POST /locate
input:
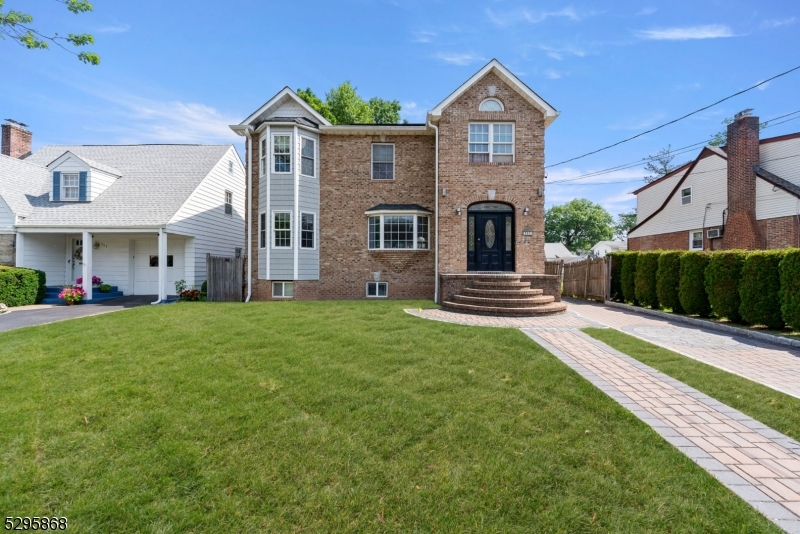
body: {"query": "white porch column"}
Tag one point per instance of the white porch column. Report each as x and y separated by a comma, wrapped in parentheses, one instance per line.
(19, 256)
(162, 264)
(87, 264)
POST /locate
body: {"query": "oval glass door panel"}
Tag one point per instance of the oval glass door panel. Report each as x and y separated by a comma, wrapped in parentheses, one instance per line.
(489, 233)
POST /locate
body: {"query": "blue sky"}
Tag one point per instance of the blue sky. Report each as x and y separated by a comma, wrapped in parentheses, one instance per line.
(181, 71)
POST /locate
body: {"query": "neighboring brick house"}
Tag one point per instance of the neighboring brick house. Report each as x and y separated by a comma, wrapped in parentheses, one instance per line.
(745, 195)
(370, 210)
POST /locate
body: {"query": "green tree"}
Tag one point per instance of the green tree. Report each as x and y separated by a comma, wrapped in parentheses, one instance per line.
(721, 138)
(18, 26)
(660, 164)
(625, 221)
(343, 105)
(578, 224)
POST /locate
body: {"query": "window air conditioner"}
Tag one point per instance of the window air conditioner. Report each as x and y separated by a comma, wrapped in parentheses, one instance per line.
(713, 233)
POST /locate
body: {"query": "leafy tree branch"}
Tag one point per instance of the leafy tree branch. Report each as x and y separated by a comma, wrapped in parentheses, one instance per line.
(343, 105)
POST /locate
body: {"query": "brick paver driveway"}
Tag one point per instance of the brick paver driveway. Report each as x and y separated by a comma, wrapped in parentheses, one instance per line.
(757, 463)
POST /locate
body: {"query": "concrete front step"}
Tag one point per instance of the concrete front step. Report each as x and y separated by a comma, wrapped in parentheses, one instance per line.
(503, 293)
(495, 301)
(546, 309)
(505, 284)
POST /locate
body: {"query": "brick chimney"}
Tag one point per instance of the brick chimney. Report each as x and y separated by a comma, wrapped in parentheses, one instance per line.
(16, 139)
(741, 228)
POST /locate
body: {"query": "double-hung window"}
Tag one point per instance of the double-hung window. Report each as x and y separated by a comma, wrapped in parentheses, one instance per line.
(696, 240)
(307, 230)
(262, 230)
(307, 157)
(70, 186)
(281, 229)
(282, 153)
(686, 196)
(491, 143)
(382, 161)
(264, 156)
(398, 231)
(228, 203)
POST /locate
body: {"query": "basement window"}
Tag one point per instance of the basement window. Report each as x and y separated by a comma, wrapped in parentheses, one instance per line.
(686, 196)
(377, 290)
(282, 290)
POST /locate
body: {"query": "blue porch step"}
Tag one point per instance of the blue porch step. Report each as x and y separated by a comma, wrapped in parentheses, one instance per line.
(51, 295)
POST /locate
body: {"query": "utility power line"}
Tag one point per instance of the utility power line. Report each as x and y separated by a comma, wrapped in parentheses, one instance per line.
(676, 120)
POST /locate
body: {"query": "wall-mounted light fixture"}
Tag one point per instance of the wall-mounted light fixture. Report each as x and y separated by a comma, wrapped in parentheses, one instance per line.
(444, 191)
(526, 211)
(458, 212)
(540, 191)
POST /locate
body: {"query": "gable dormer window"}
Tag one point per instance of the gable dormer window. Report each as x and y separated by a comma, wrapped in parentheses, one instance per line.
(70, 186)
(491, 104)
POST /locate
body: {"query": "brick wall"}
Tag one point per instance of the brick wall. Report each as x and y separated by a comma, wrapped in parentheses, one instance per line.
(16, 141)
(780, 232)
(7, 250)
(467, 183)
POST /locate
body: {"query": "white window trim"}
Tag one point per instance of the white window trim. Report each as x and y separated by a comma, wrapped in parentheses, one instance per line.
(228, 192)
(376, 295)
(690, 197)
(314, 215)
(273, 229)
(283, 289)
(64, 187)
(415, 214)
(261, 222)
(316, 171)
(291, 152)
(372, 163)
(691, 239)
(491, 140)
(492, 99)
(263, 156)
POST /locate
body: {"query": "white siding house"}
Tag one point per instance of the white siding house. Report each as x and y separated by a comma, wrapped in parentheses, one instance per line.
(141, 217)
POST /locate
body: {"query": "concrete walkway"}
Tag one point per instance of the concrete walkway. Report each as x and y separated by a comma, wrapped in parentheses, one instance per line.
(757, 463)
(38, 315)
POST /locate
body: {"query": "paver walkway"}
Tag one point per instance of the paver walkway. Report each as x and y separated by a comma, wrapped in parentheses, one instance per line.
(759, 464)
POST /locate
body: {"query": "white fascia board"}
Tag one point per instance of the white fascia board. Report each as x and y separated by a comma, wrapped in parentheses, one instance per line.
(62, 158)
(288, 124)
(550, 113)
(79, 229)
(369, 129)
(286, 91)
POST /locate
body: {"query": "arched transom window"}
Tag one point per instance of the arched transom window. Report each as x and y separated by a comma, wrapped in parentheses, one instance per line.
(491, 104)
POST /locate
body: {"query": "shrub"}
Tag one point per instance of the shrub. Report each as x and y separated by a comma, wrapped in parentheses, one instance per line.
(615, 291)
(668, 279)
(691, 290)
(20, 287)
(204, 288)
(790, 288)
(759, 289)
(645, 279)
(104, 288)
(191, 295)
(629, 261)
(722, 283)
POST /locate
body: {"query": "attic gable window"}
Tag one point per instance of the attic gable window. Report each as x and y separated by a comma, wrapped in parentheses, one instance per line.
(70, 184)
(491, 104)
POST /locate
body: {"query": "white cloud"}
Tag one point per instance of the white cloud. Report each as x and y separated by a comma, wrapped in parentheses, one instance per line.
(423, 36)
(637, 124)
(776, 23)
(412, 112)
(709, 31)
(559, 53)
(510, 18)
(647, 11)
(553, 74)
(115, 28)
(763, 86)
(458, 59)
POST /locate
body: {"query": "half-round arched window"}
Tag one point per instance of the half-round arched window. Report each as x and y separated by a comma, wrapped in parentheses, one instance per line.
(491, 104)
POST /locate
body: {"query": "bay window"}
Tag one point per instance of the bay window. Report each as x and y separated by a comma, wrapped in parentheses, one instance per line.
(398, 231)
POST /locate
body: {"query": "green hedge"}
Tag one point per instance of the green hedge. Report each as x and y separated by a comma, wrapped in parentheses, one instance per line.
(692, 291)
(616, 275)
(790, 288)
(668, 279)
(20, 287)
(628, 277)
(646, 277)
(759, 289)
(722, 283)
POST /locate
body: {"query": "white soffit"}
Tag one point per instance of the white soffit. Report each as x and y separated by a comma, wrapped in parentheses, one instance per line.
(507, 76)
(285, 92)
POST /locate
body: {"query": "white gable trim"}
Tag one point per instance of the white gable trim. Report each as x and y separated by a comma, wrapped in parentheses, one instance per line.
(108, 169)
(286, 91)
(550, 113)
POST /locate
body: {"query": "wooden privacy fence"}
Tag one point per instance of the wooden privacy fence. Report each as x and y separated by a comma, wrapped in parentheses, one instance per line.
(586, 279)
(225, 277)
(554, 267)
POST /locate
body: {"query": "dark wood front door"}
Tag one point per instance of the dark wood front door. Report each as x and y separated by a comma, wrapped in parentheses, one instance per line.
(490, 241)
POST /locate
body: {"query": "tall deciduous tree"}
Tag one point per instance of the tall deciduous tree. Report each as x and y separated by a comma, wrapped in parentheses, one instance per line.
(625, 221)
(343, 105)
(578, 224)
(660, 164)
(18, 26)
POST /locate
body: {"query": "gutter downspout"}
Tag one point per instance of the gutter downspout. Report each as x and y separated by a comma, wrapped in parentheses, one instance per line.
(249, 204)
(436, 219)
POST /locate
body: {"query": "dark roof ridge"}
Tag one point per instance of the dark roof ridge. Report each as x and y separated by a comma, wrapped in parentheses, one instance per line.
(777, 181)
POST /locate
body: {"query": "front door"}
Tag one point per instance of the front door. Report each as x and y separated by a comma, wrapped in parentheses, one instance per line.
(490, 238)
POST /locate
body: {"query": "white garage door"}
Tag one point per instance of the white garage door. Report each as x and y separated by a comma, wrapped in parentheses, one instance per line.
(145, 263)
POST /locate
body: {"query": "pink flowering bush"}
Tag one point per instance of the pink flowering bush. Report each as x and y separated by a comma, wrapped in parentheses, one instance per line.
(72, 294)
(95, 280)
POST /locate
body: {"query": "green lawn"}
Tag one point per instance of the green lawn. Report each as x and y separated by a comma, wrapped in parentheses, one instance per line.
(773, 408)
(328, 417)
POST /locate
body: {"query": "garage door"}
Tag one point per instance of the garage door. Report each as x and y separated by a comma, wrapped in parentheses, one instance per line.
(145, 266)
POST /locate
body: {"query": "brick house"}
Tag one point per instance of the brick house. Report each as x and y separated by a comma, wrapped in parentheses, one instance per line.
(745, 195)
(401, 210)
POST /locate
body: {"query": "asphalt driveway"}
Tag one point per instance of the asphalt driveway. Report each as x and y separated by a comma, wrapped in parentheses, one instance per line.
(20, 318)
